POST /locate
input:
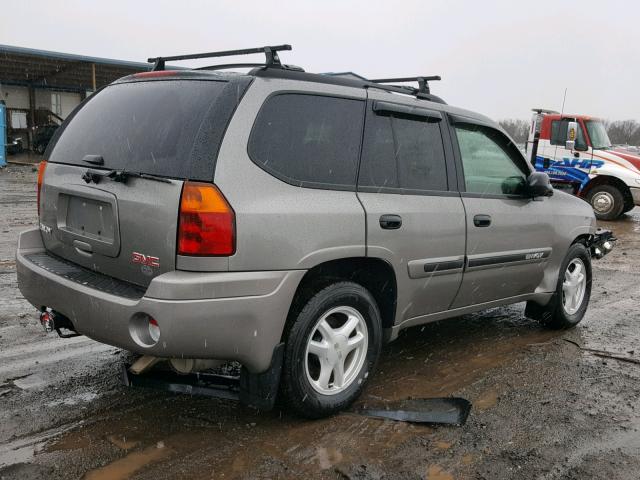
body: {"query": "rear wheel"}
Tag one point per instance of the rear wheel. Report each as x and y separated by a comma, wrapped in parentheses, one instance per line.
(607, 202)
(573, 292)
(332, 347)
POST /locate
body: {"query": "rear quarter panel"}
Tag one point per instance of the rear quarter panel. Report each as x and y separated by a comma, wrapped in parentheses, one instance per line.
(281, 226)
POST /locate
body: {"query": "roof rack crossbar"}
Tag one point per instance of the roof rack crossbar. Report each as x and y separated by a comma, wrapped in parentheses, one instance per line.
(423, 85)
(231, 65)
(271, 53)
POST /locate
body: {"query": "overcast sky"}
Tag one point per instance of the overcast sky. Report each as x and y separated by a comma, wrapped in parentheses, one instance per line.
(496, 57)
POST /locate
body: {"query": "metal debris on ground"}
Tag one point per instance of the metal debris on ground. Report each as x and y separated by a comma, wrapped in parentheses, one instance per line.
(448, 411)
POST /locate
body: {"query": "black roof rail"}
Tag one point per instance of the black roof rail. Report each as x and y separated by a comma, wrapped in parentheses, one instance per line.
(342, 80)
(271, 53)
(423, 81)
(248, 65)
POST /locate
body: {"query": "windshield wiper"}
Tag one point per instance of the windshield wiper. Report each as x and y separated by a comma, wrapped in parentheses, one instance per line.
(119, 176)
(123, 175)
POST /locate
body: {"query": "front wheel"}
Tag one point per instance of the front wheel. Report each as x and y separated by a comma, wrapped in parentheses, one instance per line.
(331, 349)
(573, 291)
(607, 202)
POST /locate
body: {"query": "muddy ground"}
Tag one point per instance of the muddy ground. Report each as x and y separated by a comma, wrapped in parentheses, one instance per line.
(542, 406)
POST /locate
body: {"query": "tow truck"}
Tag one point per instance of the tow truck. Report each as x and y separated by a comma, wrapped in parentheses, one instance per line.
(576, 153)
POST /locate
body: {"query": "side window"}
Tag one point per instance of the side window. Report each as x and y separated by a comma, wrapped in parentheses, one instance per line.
(559, 130)
(403, 153)
(309, 140)
(490, 165)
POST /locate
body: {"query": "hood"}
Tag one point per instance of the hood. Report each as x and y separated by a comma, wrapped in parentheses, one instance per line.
(629, 157)
(623, 159)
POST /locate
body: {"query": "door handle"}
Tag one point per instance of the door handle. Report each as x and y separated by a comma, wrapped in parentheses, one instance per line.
(482, 220)
(390, 222)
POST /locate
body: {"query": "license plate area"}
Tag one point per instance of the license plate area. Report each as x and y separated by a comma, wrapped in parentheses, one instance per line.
(88, 218)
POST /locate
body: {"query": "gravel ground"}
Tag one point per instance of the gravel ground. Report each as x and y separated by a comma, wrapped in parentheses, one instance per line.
(544, 406)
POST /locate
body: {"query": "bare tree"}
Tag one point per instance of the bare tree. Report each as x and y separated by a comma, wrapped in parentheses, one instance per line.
(624, 132)
(516, 128)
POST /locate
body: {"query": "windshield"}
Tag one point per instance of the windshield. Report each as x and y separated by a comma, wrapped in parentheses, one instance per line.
(598, 134)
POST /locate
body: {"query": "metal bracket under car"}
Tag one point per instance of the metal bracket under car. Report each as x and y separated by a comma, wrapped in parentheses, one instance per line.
(601, 243)
(257, 390)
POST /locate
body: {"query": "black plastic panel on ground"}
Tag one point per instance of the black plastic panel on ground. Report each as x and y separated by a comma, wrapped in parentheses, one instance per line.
(85, 277)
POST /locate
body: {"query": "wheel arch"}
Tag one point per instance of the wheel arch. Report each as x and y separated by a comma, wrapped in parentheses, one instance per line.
(374, 274)
(608, 180)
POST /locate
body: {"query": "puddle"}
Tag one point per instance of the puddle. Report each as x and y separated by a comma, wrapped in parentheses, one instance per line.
(425, 368)
(235, 443)
(24, 449)
(125, 467)
(122, 443)
(435, 472)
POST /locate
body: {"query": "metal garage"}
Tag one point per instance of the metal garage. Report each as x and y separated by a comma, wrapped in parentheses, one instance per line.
(40, 88)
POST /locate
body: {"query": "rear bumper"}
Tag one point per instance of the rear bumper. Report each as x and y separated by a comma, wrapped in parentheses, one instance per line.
(635, 193)
(227, 316)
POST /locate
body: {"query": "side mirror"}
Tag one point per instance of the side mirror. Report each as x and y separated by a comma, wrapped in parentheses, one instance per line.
(572, 133)
(539, 185)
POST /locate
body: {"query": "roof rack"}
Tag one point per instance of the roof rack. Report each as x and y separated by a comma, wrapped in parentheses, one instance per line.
(423, 85)
(271, 53)
(274, 69)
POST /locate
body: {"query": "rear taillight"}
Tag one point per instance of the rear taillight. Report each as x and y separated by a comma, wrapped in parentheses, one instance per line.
(207, 222)
(41, 169)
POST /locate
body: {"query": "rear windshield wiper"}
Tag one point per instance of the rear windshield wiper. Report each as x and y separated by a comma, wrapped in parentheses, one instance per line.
(119, 176)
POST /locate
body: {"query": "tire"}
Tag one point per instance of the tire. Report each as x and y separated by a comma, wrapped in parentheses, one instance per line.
(628, 207)
(607, 202)
(306, 388)
(562, 312)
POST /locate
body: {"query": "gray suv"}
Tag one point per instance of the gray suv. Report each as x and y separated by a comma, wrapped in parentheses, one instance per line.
(292, 222)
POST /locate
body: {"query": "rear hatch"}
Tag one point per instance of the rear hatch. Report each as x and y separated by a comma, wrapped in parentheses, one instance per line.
(111, 191)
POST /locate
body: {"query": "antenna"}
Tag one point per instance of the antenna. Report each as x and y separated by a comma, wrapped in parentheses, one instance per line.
(564, 98)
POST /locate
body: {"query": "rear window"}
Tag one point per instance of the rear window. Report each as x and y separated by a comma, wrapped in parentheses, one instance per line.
(167, 128)
(309, 140)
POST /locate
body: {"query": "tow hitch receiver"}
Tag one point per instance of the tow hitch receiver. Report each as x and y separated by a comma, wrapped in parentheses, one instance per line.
(51, 320)
(601, 243)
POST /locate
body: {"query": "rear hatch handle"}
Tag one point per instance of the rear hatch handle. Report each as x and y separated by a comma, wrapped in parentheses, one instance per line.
(119, 176)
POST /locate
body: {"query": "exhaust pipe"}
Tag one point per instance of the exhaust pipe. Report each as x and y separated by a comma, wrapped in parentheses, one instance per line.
(191, 365)
(52, 320)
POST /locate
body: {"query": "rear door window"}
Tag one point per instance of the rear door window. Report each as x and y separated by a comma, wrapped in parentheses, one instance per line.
(309, 140)
(170, 128)
(403, 153)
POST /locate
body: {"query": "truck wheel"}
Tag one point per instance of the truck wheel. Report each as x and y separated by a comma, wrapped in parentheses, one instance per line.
(331, 349)
(607, 202)
(628, 207)
(572, 294)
